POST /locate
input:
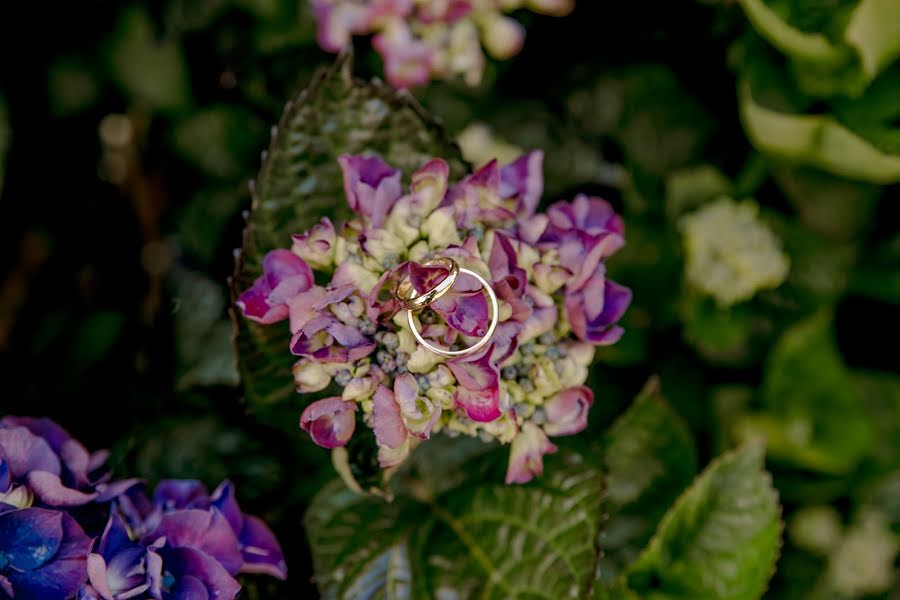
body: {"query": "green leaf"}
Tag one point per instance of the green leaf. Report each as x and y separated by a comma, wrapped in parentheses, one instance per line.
(812, 47)
(479, 539)
(650, 459)
(220, 140)
(300, 182)
(722, 335)
(203, 334)
(816, 140)
(720, 540)
(359, 543)
(838, 208)
(874, 31)
(689, 188)
(813, 416)
(152, 71)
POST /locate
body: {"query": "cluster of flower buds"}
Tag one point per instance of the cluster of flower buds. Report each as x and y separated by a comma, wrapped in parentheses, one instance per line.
(352, 336)
(731, 253)
(67, 531)
(424, 39)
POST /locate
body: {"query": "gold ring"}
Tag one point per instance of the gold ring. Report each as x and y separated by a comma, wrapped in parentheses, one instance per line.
(495, 313)
(405, 292)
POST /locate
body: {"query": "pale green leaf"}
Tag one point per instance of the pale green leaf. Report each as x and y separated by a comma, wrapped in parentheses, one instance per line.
(814, 47)
(816, 140)
(874, 31)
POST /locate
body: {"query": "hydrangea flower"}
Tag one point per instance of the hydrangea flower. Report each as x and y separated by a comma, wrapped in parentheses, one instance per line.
(42, 554)
(181, 544)
(40, 462)
(547, 269)
(430, 39)
(730, 253)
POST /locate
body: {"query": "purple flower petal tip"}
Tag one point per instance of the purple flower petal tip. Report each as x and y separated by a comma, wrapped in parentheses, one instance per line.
(330, 422)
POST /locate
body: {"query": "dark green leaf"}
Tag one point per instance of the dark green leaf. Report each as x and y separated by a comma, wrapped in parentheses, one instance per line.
(650, 459)
(720, 540)
(482, 538)
(813, 416)
(300, 181)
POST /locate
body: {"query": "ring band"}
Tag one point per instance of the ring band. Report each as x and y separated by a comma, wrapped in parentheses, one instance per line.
(456, 270)
(405, 290)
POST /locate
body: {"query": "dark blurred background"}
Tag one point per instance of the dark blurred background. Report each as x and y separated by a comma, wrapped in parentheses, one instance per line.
(128, 135)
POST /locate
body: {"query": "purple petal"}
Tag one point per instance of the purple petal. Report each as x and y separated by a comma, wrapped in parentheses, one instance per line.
(5, 474)
(429, 183)
(205, 530)
(381, 304)
(386, 420)
(189, 588)
(50, 490)
(330, 422)
(224, 500)
(30, 537)
(261, 550)
(62, 576)
(593, 321)
(526, 455)
(45, 428)
(567, 412)
(6, 586)
(284, 276)
(408, 62)
(523, 179)
(371, 186)
(175, 494)
(111, 491)
(26, 452)
(316, 245)
(426, 278)
(504, 263)
(478, 375)
(97, 575)
(481, 406)
(198, 575)
(337, 22)
(464, 307)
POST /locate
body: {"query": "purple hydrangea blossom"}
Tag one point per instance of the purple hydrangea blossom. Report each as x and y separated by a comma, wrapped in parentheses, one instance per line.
(419, 40)
(39, 458)
(548, 271)
(284, 276)
(181, 544)
(43, 554)
(120, 568)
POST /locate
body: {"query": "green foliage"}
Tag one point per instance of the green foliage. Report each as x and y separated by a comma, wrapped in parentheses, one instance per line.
(475, 537)
(843, 56)
(650, 458)
(300, 181)
(719, 540)
(152, 70)
(482, 538)
(813, 417)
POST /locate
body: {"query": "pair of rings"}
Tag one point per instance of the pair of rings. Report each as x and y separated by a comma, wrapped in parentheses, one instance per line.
(412, 302)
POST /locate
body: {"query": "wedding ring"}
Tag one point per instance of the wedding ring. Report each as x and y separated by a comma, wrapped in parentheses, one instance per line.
(406, 293)
(412, 304)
